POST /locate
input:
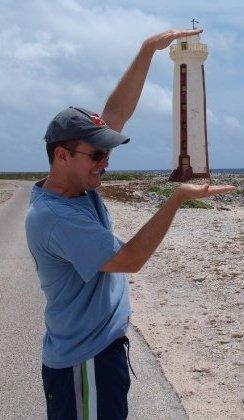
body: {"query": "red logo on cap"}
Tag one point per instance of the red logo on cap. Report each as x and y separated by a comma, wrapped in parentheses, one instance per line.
(97, 120)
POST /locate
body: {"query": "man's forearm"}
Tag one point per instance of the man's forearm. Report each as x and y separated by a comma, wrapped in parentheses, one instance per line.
(145, 242)
(139, 249)
(123, 100)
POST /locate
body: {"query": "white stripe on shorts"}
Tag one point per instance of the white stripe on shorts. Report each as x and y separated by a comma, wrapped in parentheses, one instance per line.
(92, 389)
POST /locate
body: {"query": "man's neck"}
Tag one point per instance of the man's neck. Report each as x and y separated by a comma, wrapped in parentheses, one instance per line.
(59, 187)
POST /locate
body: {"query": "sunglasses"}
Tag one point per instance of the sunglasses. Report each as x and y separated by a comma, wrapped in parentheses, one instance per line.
(96, 156)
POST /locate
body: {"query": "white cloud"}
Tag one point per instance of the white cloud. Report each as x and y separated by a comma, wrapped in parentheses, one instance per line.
(232, 122)
(156, 99)
(211, 117)
(174, 8)
(67, 49)
(101, 33)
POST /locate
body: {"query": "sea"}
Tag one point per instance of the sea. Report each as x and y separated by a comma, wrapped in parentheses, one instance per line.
(237, 171)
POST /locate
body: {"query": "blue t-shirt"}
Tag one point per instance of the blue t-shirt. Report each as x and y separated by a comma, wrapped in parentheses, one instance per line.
(70, 239)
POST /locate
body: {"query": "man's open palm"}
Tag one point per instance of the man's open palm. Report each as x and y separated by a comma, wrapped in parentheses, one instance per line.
(193, 191)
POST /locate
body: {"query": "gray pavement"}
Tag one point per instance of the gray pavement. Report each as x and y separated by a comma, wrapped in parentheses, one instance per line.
(21, 322)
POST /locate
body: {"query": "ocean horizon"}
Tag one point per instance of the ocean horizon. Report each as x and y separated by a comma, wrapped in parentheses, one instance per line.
(166, 171)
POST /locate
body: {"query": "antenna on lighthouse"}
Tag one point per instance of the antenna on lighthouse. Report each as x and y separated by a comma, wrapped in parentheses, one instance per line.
(193, 23)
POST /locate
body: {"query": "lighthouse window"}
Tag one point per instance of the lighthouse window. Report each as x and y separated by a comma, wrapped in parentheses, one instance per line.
(183, 107)
(183, 68)
(185, 161)
(184, 45)
(183, 88)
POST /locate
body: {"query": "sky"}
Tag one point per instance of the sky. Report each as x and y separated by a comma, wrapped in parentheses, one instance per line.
(57, 53)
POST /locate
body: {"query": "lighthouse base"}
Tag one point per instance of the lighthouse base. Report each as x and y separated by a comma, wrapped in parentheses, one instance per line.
(179, 175)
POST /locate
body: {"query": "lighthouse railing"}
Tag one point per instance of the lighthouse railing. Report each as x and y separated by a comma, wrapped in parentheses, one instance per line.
(185, 46)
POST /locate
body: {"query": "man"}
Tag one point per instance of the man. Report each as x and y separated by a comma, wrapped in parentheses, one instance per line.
(81, 264)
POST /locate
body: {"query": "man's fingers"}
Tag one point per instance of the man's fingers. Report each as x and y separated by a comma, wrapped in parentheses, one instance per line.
(187, 32)
(221, 189)
(163, 40)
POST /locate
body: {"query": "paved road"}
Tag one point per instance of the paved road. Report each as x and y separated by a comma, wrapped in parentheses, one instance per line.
(21, 309)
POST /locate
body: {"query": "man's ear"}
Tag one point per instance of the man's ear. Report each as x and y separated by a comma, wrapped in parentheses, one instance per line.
(62, 156)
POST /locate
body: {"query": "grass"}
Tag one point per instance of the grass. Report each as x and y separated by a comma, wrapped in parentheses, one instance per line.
(196, 204)
(166, 192)
(240, 192)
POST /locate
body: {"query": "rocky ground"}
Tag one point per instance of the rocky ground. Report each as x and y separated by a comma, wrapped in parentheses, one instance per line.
(155, 190)
(6, 190)
(188, 299)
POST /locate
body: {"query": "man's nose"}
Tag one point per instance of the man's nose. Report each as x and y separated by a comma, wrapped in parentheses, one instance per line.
(106, 162)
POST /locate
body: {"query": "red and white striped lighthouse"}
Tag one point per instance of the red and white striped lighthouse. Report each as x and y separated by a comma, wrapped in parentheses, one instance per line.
(190, 148)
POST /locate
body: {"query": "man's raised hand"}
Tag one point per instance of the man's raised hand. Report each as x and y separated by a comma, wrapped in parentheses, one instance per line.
(164, 39)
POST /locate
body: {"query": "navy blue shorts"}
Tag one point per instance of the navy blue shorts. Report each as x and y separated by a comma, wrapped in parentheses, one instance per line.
(94, 390)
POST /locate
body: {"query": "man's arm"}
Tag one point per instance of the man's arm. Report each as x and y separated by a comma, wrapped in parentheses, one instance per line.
(123, 100)
(133, 255)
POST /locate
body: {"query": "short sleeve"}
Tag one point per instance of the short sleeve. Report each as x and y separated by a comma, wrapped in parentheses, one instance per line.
(85, 243)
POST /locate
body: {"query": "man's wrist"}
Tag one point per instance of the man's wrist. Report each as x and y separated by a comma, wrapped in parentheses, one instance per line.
(178, 196)
(148, 48)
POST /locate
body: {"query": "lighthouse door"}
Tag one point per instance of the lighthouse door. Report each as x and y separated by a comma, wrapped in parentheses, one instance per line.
(184, 162)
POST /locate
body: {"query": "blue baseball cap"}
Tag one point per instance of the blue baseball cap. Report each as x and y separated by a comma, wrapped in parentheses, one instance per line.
(80, 124)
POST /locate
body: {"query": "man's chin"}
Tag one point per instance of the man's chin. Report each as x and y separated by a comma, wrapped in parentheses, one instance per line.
(94, 185)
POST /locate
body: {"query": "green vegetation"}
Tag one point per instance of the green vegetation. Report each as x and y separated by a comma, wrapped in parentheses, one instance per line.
(166, 192)
(126, 176)
(240, 192)
(196, 204)
(108, 176)
(25, 176)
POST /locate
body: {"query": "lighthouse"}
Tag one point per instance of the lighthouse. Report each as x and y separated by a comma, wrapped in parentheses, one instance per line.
(190, 147)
